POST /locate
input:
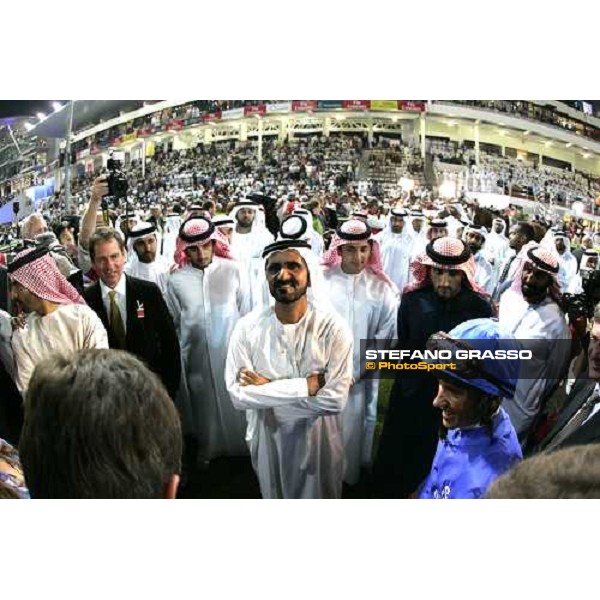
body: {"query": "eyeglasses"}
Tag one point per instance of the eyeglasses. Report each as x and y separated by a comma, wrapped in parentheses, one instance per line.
(468, 367)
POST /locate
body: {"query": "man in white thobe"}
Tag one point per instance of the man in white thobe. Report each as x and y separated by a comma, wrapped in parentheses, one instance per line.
(143, 259)
(418, 231)
(290, 367)
(521, 234)
(475, 238)
(567, 263)
(248, 240)
(364, 296)
(396, 244)
(496, 245)
(315, 239)
(206, 298)
(530, 311)
(58, 318)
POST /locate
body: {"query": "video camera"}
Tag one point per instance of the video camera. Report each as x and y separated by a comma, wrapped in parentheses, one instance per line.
(117, 182)
(582, 305)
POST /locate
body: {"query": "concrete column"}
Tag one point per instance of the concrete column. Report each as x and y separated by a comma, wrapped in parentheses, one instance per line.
(243, 131)
(284, 131)
(260, 140)
(422, 134)
(476, 138)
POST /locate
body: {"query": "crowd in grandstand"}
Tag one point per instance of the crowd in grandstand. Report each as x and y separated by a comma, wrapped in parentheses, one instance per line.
(217, 313)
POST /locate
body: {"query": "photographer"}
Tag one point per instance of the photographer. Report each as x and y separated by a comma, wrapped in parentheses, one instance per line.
(112, 184)
(89, 221)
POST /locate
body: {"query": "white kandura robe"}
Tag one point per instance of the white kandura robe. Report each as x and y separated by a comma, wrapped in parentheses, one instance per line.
(369, 306)
(496, 250)
(157, 271)
(205, 305)
(396, 252)
(69, 328)
(247, 249)
(567, 270)
(546, 325)
(169, 237)
(484, 273)
(295, 439)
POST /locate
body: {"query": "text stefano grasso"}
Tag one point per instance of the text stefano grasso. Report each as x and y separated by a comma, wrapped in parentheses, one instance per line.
(448, 354)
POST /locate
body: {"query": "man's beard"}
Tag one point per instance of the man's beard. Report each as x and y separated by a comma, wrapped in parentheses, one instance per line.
(474, 249)
(245, 222)
(146, 257)
(533, 294)
(288, 298)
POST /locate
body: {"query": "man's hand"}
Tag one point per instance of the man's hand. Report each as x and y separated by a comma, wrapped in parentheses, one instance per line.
(18, 322)
(315, 383)
(248, 377)
(99, 189)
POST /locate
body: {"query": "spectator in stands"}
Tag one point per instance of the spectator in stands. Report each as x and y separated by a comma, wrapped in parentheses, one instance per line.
(99, 424)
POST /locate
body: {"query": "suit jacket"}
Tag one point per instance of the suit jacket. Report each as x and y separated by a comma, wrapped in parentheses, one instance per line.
(4, 305)
(11, 408)
(152, 338)
(589, 432)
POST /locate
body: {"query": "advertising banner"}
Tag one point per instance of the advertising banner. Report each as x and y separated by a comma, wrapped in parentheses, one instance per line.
(304, 105)
(234, 113)
(329, 104)
(215, 116)
(356, 104)
(279, 107)
(384, 104)
(130, 137)
(259, 109)
(175, 124)
(412, 105)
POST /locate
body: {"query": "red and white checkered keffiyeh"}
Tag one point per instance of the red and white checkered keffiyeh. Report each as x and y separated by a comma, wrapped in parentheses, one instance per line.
(333, 258)
(43, 278)
(444, 246)
(545, 260)
(199, 226)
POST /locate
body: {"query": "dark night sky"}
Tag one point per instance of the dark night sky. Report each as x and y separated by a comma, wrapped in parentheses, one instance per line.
(25, 108)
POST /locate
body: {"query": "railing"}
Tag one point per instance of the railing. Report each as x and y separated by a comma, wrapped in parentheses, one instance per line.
(533, 112)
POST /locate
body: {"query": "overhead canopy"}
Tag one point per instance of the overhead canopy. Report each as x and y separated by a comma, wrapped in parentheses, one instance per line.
(85, 114)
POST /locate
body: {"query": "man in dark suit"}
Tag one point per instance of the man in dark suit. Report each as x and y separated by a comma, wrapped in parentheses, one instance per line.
(3, 289)
(579, 420)
(133, 311)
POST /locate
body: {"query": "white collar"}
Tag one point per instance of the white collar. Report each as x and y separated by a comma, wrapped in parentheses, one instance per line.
(119, 288)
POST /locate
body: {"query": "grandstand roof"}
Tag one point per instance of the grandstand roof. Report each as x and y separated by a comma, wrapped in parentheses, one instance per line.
(85, 112)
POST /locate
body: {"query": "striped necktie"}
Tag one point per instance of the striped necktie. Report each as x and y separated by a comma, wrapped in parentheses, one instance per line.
(576, 421)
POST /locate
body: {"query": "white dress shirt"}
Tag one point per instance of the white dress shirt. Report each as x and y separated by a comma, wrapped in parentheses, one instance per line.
(120, 299)
(596, 408)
